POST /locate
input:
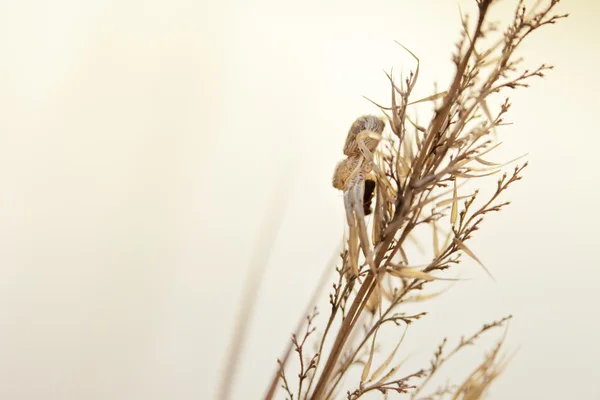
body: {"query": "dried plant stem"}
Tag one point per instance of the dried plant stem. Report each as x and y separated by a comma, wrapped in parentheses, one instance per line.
(371, 280)
(256, 272)
(442, 114)
(313, 299)
(356, 308)
(416, 179)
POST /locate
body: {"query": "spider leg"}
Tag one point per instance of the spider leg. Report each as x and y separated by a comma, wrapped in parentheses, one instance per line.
(358, 192)
(359, 167)
(353, 232)
(368, 155)
(364, 138)
(377, 216)
(364, 149)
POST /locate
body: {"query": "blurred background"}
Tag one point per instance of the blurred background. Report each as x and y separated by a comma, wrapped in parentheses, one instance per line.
(142, 145)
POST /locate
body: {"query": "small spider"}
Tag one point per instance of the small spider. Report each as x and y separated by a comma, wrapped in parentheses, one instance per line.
(356, 177)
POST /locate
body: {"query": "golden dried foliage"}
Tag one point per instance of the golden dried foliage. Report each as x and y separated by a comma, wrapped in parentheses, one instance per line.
(419, 171)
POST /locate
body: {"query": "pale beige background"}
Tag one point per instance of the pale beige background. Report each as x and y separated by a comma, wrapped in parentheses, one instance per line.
(141, 143)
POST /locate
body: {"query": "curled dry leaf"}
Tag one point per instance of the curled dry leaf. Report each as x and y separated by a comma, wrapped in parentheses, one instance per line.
(454, 213)
(468, 251)
(388, 360)
(367, 367)
(452, 201)
(414, 273)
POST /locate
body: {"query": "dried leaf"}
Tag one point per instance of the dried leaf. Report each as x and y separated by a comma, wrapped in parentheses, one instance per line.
(463, 175)
(404, 256)
(497, 165)
(411, 273)
(408, 150)
(388, 294)
(454, 213)
(387, 362)
(416, 242)
(461, 163)
(367, 367)
(436, 243)
(417, 126)
(449, 201)
(433, 97)
(448, 239)
(374, 300)
(419, 141)
(414, 56)
(464, 248)
(483, 169)
(403, 167)
(432, 199)
(484, 162)
(391, 372)
(414, 273)
(425, 297)
(490, 149)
